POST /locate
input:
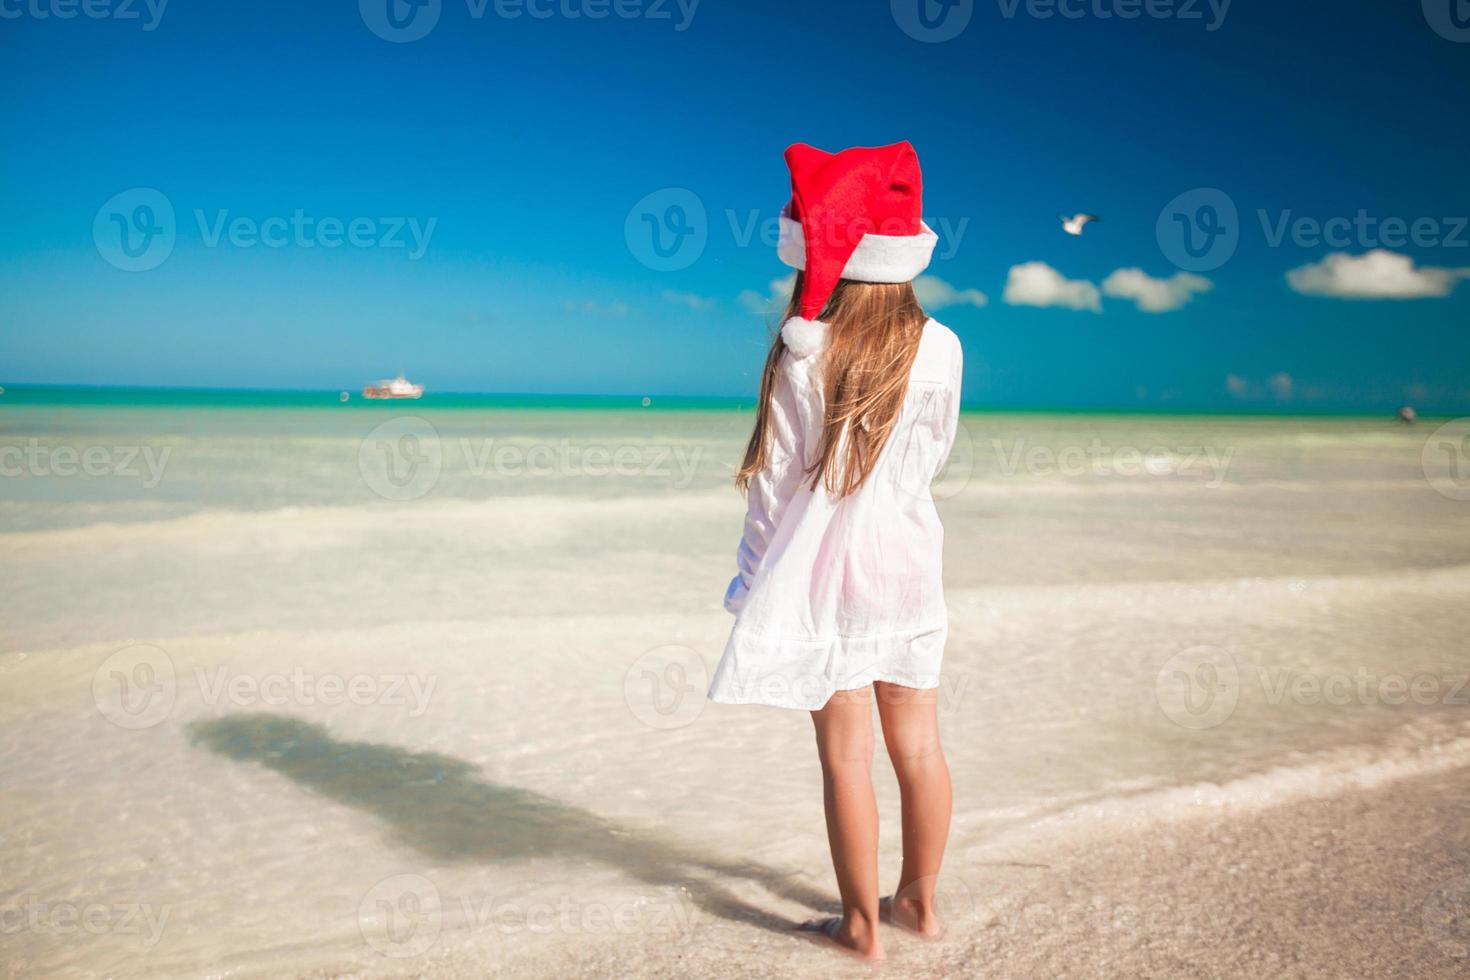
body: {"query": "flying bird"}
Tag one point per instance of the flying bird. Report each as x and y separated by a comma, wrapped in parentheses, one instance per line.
(1073, 225)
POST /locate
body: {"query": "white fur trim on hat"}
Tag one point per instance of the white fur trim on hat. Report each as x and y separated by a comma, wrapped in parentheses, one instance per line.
(804, 337)
(877, 258)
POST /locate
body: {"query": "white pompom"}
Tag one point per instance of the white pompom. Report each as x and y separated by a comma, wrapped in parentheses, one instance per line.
(804, 337)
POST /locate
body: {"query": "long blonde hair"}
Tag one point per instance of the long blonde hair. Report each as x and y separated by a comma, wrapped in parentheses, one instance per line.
(873, 332)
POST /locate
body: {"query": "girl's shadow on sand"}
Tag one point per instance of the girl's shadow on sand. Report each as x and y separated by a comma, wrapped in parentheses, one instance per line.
(445, 808)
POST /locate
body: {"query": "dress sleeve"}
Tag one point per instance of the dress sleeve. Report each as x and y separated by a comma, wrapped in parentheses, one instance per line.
(771, 491)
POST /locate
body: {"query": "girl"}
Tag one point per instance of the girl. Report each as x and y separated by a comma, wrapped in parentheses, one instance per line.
(839, 593)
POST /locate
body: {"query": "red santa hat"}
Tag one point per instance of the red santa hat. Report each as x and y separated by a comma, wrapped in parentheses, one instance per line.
(856, 214)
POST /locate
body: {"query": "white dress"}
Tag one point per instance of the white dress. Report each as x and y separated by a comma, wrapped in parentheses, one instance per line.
(833, 594)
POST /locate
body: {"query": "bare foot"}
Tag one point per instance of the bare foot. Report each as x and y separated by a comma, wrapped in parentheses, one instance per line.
(860, 941)
(911, 915)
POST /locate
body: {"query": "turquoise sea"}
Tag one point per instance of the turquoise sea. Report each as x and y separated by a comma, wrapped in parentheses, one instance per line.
(138, 397)
(148, 453)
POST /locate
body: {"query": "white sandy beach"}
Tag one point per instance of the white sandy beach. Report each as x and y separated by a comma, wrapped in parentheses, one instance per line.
(1205, 719)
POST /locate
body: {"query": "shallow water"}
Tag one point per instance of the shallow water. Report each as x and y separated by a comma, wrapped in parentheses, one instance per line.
(383, 690)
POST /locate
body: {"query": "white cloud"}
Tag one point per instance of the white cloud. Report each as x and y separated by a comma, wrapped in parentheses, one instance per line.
(934, 293)
(1038, 284)
(1155, 295)
(1378, 274)
(772, 303)
(695, 302)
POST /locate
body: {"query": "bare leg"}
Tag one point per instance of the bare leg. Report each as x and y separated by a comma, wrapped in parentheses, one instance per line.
(845, 745)
(911, 732)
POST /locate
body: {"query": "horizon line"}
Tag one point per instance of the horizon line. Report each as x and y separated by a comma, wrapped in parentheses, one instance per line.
(734, 401)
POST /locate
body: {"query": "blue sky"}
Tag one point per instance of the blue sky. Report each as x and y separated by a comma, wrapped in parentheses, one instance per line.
(503, 173)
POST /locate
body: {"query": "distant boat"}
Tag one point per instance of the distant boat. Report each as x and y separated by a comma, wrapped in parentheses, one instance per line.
(399, 387)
